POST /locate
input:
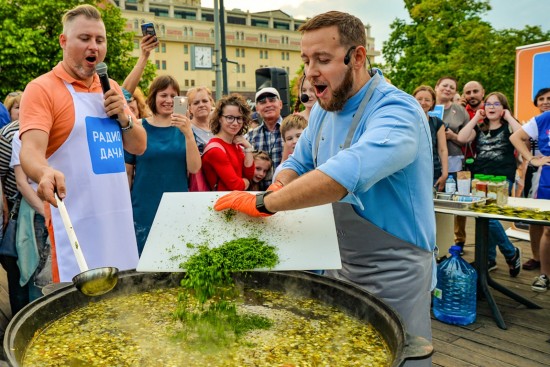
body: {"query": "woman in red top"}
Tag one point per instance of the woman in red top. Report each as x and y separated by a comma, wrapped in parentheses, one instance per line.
(228, 161)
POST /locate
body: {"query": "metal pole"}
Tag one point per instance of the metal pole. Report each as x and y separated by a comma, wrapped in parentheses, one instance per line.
(217, 50)
(224, 56)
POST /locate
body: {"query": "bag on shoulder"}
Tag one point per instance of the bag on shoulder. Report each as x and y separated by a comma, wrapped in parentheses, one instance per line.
(8, 243)
(197, 181)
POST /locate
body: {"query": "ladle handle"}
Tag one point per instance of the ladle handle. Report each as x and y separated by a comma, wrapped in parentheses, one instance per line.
(72, 235)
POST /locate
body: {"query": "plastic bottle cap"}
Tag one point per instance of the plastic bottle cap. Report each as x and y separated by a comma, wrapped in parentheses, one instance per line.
(455, 250)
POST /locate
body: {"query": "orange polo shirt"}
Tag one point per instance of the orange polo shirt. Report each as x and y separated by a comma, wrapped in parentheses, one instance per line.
(47, 105)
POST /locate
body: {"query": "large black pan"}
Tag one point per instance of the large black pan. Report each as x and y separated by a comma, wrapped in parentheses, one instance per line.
(330, 291)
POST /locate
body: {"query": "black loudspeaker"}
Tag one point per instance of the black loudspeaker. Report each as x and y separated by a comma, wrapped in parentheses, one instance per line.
(278, 79)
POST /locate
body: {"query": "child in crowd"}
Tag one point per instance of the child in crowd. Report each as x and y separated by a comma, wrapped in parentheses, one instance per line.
(291, 129)
(263, 164)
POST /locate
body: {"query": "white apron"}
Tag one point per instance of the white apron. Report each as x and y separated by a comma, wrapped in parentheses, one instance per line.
(98, 196)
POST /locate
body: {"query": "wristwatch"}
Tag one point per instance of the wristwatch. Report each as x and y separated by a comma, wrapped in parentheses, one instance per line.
(260, 206)
(130, 124)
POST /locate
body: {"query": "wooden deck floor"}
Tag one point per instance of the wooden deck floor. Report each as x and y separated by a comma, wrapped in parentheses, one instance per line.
(526, 342)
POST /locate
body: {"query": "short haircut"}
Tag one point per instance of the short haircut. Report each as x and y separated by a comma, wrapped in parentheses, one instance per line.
(540, 93)
(447, 77)
(234, 99)
(160, 83)
(350, 28)
(426, 88)
(87, 10)
(293, 121)
(191, 93)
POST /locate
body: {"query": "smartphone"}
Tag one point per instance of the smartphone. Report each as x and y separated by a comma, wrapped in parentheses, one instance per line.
(148, 28)
(180, 105)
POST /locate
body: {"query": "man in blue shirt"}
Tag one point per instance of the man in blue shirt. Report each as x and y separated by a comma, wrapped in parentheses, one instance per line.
(367, 150)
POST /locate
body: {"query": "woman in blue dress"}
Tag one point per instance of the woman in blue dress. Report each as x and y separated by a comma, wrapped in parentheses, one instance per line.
(170, 155)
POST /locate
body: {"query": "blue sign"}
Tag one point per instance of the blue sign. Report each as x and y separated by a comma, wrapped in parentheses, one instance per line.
(105, 145)
(541, 72)
(437, 111)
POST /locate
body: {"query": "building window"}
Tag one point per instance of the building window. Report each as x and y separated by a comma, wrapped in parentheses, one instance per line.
(242, 52)
(186, 82)
(163, 47)
(136, 44)
(191, 31)
(238, 68)
(261, 54)
(192, 82)
(236, 20)
(260, 23)
(238, 84)
(185, 49)
(136, 24)
(288, 56)
(186, 65)
(185, 31)
(238, 52)
(213, 84)
(243, 69)
(266, 54)
(163, 64)
(157, 64)
(282, 55)
(244, 84)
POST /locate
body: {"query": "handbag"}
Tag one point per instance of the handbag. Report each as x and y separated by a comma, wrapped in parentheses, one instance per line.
(197, 181)
(8, 246)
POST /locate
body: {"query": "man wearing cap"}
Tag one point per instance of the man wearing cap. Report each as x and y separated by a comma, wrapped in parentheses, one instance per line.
(267, 136)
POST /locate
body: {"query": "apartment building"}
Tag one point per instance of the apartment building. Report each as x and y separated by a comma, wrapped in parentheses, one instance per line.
(187, 42)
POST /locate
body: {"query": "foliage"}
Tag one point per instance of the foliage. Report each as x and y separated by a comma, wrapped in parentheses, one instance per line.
(448, 37)
(29, 41)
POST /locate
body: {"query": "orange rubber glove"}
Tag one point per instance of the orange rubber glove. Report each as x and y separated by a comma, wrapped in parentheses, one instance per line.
(240, 201)
(275, 186)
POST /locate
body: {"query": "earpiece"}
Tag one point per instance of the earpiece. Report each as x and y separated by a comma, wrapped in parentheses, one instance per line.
(347, 59)
(304, 98)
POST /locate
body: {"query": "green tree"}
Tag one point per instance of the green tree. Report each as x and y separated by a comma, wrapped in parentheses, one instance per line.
(449, 38)
(29, 41)
(444, 36)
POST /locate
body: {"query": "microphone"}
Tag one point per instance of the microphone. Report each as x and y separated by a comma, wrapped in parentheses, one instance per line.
(304, 98)
(101, 70)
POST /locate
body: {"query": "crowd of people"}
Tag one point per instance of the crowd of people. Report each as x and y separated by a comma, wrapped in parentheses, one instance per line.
(345, 115)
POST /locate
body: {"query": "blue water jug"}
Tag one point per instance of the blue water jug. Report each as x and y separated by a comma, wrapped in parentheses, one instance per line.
(454, 298)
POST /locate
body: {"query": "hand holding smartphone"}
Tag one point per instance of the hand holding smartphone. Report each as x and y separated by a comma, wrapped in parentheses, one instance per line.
(180, 105)
(148, 29)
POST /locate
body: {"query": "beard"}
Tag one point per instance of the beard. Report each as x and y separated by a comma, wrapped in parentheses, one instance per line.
(474, 103)
(341, 95)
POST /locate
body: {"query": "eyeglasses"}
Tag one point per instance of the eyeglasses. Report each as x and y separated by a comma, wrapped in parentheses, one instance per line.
(264, 100)
(15, 94)
(496, 104)
(231, 119)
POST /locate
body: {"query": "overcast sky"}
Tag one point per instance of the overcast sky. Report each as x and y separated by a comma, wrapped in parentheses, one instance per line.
(381, 13)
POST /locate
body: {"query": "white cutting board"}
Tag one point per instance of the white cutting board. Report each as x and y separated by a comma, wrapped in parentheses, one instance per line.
(305, 239)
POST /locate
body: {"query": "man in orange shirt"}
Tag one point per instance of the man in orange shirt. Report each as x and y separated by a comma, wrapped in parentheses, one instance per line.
(70, 146)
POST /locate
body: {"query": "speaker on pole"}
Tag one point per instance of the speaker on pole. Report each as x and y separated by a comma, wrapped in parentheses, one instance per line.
(278, 79)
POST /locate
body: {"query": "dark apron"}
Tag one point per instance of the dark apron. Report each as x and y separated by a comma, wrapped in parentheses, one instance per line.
(388, 267)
